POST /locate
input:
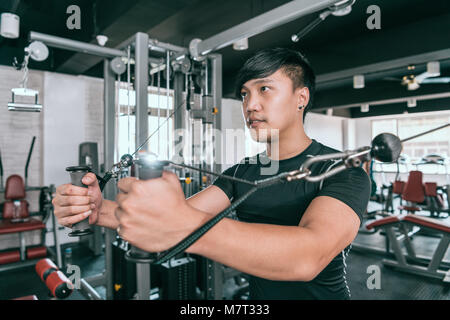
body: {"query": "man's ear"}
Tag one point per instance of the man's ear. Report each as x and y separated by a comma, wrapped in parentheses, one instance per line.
(302, 94)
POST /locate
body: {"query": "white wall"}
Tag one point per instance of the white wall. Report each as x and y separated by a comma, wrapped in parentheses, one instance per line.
(325, 129)
(64, 125)
(234, 149)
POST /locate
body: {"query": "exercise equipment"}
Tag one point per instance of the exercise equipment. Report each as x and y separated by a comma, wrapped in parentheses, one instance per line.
(409, 262)
(88, 156)
(39, 52)
(424, 196)
(17, 219)
(55, 280)
(76, 174)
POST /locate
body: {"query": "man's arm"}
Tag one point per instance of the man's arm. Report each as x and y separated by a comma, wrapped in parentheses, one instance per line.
(211, 200)
(106, 217)
(293, 253)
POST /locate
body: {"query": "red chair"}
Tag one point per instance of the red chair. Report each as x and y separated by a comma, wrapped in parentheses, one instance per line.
(398, 187)
(413, 192)
(16, 219)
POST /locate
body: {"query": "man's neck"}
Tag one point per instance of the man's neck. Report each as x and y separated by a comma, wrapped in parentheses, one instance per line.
(288, 147)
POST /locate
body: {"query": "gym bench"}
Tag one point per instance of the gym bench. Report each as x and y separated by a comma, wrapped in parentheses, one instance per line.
(410, 263)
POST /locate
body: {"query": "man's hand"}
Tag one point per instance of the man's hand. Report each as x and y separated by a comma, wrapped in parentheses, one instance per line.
(153, 214)
(73, 204)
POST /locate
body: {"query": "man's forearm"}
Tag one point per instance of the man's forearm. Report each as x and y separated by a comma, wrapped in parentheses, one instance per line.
(106, 216)
(268, 251)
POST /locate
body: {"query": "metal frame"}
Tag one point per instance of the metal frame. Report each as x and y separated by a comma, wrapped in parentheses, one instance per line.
(411, 262)
(401, 262)
(77, 46)
(266, 21)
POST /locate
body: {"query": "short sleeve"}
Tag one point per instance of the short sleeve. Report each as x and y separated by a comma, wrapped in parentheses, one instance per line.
(225, 184)
(351, 186)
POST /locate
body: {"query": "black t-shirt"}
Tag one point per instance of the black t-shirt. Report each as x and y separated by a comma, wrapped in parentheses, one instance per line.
(285, 204)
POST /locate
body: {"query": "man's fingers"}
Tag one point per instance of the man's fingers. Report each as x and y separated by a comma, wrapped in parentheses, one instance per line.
(90, 179)
(71, 211)
(93, 218)
(71, 190)
(170, 176)
(124, 185)
(69, 221)
(72, 200)
(118, 213)
(120, 197)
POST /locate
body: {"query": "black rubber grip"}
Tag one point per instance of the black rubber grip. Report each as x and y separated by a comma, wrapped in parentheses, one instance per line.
(76, 175)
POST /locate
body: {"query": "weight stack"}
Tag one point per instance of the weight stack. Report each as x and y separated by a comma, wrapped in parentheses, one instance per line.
(124, 272)
(179, 279)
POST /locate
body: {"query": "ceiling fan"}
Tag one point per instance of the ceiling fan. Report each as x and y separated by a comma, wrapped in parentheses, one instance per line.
(413, 82)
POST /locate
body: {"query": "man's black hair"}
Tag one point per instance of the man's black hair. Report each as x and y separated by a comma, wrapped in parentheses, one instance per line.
(268, 61)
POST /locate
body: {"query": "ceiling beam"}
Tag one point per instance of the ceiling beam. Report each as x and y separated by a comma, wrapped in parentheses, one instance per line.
(259, 24)
(381, 69)
(431, 105)
(376, 94)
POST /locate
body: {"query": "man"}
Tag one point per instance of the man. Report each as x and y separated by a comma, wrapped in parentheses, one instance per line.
(291, 238)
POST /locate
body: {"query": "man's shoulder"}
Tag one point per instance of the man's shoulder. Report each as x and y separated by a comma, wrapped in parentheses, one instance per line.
(324, 149)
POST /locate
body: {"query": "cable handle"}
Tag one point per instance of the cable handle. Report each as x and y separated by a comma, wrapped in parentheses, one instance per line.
(145, 168)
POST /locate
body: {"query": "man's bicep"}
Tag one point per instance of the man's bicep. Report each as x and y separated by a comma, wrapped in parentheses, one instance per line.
(211, 200)
(333, 224)
(352, 187)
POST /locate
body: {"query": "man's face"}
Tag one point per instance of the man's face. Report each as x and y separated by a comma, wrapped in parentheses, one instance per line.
(270, 104)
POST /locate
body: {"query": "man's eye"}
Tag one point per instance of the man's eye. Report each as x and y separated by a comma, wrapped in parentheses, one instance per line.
(264, 88)
(243, 95)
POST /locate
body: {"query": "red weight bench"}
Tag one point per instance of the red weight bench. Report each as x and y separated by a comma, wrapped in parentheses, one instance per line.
(411, 263)
(32, 297)
(56, 281)
(16, 219)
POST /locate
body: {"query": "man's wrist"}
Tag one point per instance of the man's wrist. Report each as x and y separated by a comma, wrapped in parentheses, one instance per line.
(106, 217)
(197, 218)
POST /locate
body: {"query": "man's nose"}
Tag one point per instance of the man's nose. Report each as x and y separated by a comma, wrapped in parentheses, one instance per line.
(253, 104)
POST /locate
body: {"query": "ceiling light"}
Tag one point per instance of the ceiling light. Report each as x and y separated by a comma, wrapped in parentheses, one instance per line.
(358, 81)
(413, 85)
(102, 39)
(433, 69)
(241, 44)
(9, 27)
(365, 107)
(411, 103)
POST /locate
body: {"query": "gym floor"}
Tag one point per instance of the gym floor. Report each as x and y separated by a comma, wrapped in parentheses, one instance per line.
(394, 285)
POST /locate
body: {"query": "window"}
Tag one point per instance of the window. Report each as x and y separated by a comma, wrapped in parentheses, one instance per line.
(160, 138)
